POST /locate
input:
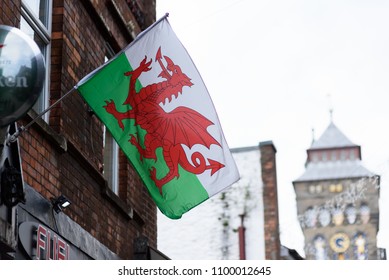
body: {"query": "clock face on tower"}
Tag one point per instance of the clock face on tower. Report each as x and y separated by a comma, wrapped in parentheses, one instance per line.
(340, 242)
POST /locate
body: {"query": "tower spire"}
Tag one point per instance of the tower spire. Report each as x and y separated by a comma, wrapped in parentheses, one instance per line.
(330, 107)
(331, 114)
(313, 135)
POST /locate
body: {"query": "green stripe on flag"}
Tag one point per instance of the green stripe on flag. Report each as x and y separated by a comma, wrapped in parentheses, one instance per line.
(109, 83)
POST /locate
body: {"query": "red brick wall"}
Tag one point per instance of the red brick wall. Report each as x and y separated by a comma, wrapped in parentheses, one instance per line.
(270, 201)
(10, 12)
(66, 155)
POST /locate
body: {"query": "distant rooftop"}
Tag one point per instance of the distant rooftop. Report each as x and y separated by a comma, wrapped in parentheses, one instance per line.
(244, 149)
(321, 165)
(334, 170)
(332, 137)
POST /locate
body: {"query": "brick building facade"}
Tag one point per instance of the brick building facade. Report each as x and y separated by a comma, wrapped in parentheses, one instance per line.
(63, 152)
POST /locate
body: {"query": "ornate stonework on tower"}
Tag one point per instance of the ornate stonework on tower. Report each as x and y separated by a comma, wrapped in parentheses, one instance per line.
(337, 200)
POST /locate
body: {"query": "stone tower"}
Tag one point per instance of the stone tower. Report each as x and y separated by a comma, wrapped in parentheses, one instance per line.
(337, 200)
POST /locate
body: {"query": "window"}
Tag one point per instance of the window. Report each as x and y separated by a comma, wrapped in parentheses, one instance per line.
(315, 157)
(320, 248)
(111, 149)
(360, 246)
(36, 23)
(337, 188)
(314, 189)
(351, 214)
(337, 216)
(352, 155)
(324, 217)
(111, 161)
(310, 217)
(365, 213)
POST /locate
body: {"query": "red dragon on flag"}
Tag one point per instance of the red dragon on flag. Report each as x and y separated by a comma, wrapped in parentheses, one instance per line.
(166, 130)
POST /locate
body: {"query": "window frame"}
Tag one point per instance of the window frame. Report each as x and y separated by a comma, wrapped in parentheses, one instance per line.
(111, 161)
(112, 157)
(43, 31)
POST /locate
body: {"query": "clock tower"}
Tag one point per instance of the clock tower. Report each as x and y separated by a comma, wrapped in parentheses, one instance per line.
(337, 200)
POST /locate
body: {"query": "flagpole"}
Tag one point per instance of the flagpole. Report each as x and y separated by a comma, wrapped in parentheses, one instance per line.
(12, 138)
(140, 35)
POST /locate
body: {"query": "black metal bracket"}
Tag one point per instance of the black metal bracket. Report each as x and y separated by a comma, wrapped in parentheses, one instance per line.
(11, 185)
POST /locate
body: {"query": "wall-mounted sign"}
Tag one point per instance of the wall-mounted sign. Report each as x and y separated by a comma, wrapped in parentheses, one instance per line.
(41, 243)
(22, 74)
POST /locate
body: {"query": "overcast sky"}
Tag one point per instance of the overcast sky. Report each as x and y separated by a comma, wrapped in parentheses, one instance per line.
(274, 68)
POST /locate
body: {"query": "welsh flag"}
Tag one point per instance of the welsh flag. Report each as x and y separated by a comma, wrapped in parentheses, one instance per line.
(156, 106)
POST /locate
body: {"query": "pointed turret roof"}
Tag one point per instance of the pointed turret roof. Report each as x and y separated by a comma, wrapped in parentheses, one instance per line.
(334, 170)
(325, 160)
(332, 137)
